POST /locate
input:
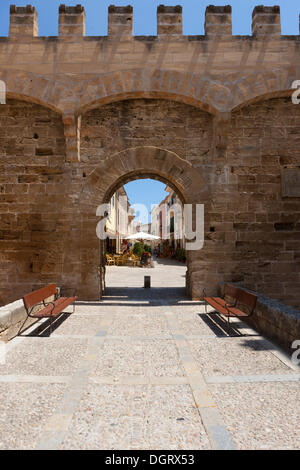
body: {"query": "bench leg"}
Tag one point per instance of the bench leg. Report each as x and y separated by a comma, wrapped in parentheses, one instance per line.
(51, 319)
(21, 327)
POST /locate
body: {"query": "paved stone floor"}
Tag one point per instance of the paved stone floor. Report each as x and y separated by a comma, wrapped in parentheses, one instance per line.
(146, 369)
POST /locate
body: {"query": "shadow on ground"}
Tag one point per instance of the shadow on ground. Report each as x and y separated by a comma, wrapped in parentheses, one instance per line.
(131, 296)
(43, 329)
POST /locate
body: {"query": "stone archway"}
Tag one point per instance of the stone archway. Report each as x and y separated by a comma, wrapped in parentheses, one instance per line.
(116, 170)
(262, 85)
(146, 160)
(67, 96)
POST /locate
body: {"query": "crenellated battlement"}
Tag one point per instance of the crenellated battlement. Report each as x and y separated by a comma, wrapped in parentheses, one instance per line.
(23, 21)
(120, 22)
(266, 21)
(71, 21)
(71, 10)
(217, 69)
(169, 20)
(218, 20)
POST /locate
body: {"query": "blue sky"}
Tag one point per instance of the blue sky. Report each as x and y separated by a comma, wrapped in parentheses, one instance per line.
(147, 192)
(145, 14)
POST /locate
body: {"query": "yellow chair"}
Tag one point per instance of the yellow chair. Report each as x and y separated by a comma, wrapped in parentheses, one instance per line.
(122, 260)
(135, 260)
(110, 260)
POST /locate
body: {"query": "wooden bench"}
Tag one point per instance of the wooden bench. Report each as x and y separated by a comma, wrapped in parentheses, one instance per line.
(37, 304)
(235, 303)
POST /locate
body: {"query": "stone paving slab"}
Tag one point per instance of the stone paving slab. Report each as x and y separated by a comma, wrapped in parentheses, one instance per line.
(44, 356)
(89, 309)
(237, 356)
(24, 409)
(32, 379)
(261, 416)
(140, 417)
(146, 323)
(139, 380)
(155, 358)
(253, 378)
(80, 324)
(190, 323)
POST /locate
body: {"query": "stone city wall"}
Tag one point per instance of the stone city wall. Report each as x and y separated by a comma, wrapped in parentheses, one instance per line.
(210, 115)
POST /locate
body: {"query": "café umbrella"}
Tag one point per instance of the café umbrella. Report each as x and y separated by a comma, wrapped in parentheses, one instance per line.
(142, 236)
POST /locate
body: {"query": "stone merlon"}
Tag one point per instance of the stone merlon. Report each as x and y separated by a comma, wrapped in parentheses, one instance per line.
(218, 21)
(266, 21)
(71, 21)
(169, 20)
(120, 22)
(23, 21)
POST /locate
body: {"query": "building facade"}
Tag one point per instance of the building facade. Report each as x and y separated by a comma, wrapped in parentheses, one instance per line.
(167, 222)
(118, 222)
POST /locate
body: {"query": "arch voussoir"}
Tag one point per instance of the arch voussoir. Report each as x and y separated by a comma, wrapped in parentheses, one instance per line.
(37, 89)
(263, 85)
(184, 87)
(128, 160)
(141, 162)
(155, 80)
(176, 81)
(198, 90)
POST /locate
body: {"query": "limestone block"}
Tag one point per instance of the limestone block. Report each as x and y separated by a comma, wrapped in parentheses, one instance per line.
(120, 22)
(169, 21)
(218, 21)
(23, 22)
(71, 21)
(266, 21)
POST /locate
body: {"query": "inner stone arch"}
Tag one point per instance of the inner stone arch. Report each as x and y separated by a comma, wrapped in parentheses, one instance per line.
(125, 166)
(141, 174)
(146, 161)
(113, 244)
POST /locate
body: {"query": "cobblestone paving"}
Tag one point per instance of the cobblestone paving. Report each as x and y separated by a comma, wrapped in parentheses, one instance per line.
(146, 369)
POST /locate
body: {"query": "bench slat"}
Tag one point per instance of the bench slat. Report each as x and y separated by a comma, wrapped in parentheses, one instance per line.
(213, 301)
(59, 307)
(38, 296)
(235, 312)
(240, 296)
(247, 299)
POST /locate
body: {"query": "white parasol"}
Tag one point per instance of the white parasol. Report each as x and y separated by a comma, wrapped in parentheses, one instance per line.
(142, 236)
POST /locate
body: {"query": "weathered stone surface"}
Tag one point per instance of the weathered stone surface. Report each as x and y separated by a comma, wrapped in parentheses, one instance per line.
(23, 21)
(266, 21)
(216, 122)
(218, 21)
(291, 182)
(169, 20)
(120, 22)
